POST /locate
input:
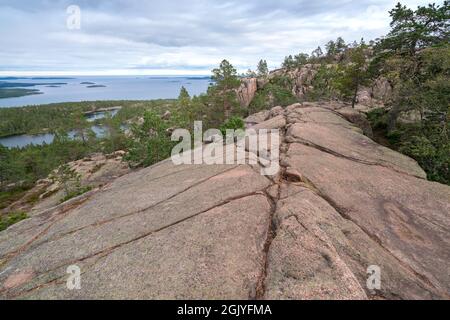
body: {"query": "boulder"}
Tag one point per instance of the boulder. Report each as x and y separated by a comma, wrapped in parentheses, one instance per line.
(276, 111)
(247, 90)
(166, 115)
(382, 89)
(257, 118)
(358, 118)
(364, 97)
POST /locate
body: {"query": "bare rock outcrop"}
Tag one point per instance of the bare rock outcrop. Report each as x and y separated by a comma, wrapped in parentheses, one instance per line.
(382, 89)
(302, 78)
(339, 205)
(303, 82)
(377, 95)
(247, 90)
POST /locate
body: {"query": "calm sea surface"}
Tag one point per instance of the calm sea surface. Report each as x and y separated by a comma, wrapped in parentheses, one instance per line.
(115, 88)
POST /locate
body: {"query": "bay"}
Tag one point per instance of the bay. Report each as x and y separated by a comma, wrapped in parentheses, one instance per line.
(79, 89)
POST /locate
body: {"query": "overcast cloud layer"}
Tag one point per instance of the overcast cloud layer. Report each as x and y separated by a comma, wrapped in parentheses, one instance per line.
(176, 36)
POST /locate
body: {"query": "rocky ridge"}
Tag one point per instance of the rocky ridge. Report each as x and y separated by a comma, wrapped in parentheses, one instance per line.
(302, 79)
(340, 204)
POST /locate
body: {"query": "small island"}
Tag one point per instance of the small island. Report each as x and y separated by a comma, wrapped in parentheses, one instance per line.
(5, 84)
(87, 82)
(16, 93)
(96, 86)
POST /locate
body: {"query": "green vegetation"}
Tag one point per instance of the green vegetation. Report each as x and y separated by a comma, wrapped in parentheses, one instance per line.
(8, 197)
(223, 92)
(297, 61)
(262, 69)
(277, 92)
(151, 142)
(26, 165)
(431, 152)
(11, 218)
(70, 181)
(353, 75)
(218, 108)
(341, 72)
(415, 60)
(66, 116)
(234, 123)
(335, 48)
(75, 193)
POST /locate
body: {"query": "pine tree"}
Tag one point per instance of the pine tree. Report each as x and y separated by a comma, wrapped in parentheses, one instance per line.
(262, 70)
(4, 161)
(68, 178)
(288, 63)
(331, 48)
(340, 45)
(184, 98)
(354, 74)
(226, 81)
(301, 59)
(412, 30)
(317, 53)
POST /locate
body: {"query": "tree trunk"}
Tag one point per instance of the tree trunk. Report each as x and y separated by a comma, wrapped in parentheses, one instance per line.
(226, 109)
(355, 94)
(392, 119)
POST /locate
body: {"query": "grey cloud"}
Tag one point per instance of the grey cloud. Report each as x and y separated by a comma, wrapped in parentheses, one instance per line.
(177, 34)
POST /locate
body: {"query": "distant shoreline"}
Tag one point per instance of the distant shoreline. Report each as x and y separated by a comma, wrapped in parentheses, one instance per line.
(98, 89)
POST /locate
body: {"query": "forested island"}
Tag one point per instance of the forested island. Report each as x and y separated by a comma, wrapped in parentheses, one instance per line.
(17, 89)
(17, 92)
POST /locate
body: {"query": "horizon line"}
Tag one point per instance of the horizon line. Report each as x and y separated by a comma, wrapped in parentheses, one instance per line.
(118, 72)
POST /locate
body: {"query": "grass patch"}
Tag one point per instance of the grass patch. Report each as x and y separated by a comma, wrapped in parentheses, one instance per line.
(76, 193)
(11, 218)
(9, 197)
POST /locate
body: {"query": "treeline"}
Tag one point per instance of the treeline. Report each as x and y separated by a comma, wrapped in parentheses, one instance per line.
(218, 108)
(415, 60)
(63, 116)
(28, 164)
(143, 128)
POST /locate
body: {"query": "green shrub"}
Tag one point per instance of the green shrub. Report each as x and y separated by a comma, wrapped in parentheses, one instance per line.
(151, 142)
(276, 93)
(11, 218)
(76, 193)
(378, 118)
(234, 123)
(433, 157)
(9, 197)
(395, 137)
(430, 150)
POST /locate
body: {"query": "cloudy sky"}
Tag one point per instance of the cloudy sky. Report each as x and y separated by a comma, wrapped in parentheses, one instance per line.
(175, 36)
